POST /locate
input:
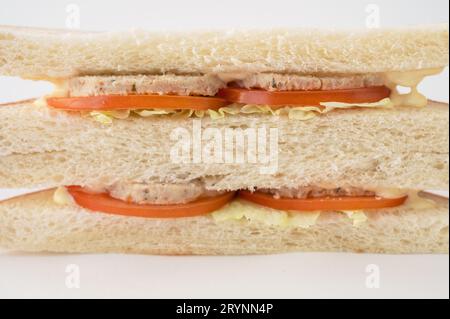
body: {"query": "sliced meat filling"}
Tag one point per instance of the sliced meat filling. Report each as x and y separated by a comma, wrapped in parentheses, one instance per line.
(316, 192)
(286, 82)
(168, 193)
(207, 85)
(160, 193)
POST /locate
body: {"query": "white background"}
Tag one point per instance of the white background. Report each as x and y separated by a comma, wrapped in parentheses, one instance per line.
(288, 276)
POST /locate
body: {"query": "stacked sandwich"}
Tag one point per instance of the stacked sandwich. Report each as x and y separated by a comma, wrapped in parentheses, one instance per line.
(243, 142)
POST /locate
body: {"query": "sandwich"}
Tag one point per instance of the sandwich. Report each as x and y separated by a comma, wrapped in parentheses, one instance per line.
(226, 143)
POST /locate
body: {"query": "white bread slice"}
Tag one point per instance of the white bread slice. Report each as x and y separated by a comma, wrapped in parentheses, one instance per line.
(42, 53)
(36, 223)
(402, 147)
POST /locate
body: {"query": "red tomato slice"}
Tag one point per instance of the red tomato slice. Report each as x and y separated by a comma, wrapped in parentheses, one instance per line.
(304, 98)
(135, 102)
(104, 203)
(326, 203)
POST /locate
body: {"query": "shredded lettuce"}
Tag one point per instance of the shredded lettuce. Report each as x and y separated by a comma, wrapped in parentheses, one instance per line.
(302, 113)
(303, 219)
(101, 117)
(358, 217)
(239, 210)
(147, 113)
(386, 103)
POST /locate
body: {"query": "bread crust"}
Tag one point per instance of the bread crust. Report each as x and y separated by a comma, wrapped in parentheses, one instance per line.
(35, 223)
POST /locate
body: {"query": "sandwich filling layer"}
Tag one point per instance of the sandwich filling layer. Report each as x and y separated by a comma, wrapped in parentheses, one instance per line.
(161, 193)
(224, 206)
(165, 194)
(209, 85)
(108, 97)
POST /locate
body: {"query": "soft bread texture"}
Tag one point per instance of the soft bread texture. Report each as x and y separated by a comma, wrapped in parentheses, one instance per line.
(402, 147)
(42, 53)
(35, 223)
